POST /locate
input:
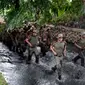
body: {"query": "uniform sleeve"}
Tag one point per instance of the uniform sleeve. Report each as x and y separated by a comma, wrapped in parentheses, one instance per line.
(65, 43)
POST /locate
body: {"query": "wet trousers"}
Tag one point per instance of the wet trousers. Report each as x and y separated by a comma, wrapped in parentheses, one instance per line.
(58, 66)
(36, 51)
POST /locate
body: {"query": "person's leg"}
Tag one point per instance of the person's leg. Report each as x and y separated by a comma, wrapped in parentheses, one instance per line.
(82, 61)
(76, 58)
(56, 67)
(21, 55)
(59, 67)
(82, 58)
(37, 52)
(37, 59)
(43, 50)
(30, 52)
(59, 73)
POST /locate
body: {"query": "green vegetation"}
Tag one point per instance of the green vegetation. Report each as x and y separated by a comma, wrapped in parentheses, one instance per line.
(2, 80)
(41, 11)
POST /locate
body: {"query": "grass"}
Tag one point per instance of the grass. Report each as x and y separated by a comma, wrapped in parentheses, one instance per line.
(2, 80)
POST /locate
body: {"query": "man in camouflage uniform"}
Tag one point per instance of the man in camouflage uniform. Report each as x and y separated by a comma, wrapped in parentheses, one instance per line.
(32, 41)
(20, 43)
(81, 49)
(45, 40)
(58, 48)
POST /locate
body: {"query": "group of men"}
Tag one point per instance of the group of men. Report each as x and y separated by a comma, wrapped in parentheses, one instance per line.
(44, 41)
(37, 43)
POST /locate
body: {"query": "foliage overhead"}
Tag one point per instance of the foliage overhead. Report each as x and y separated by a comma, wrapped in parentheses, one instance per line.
(40, 11)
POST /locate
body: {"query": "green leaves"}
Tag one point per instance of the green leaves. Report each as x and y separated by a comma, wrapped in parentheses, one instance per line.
(40, 11)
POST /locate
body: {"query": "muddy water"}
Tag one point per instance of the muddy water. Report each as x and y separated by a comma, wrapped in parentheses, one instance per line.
(16, 72)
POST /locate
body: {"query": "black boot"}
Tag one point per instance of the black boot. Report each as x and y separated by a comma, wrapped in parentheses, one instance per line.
(59, 77)
(54, 68)
(37, 59)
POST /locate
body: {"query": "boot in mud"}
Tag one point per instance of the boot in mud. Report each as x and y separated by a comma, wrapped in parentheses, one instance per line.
(37, 60)
(59, 77)
(53, 70)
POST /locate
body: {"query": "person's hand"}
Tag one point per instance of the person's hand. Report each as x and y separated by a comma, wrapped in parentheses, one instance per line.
(55, 54)
(31, 45)
(83, 48)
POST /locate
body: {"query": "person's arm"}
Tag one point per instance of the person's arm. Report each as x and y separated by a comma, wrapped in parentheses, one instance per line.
(52, 49)
(77, 46)
(64, 52)
(28, 42)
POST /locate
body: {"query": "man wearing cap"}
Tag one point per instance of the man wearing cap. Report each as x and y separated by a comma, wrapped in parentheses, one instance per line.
(32, 41)
(44, 42)
(58, 48)
(81, 49)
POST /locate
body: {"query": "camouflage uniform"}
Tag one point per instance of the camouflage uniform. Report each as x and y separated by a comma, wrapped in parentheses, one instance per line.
(80, 52)
(34, 49)
(44, 43)
(59, 48)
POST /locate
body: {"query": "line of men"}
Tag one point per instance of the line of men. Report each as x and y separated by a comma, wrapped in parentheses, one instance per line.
(57, 45)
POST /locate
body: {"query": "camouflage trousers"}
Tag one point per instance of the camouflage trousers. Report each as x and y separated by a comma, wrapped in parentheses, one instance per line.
(58, 66)
(59, 61)
(36, 51)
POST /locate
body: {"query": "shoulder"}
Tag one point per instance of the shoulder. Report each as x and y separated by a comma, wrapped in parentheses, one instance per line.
(65, 42)
(53, 43)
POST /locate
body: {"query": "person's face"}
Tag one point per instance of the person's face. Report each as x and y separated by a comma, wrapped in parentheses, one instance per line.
(60, 38)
